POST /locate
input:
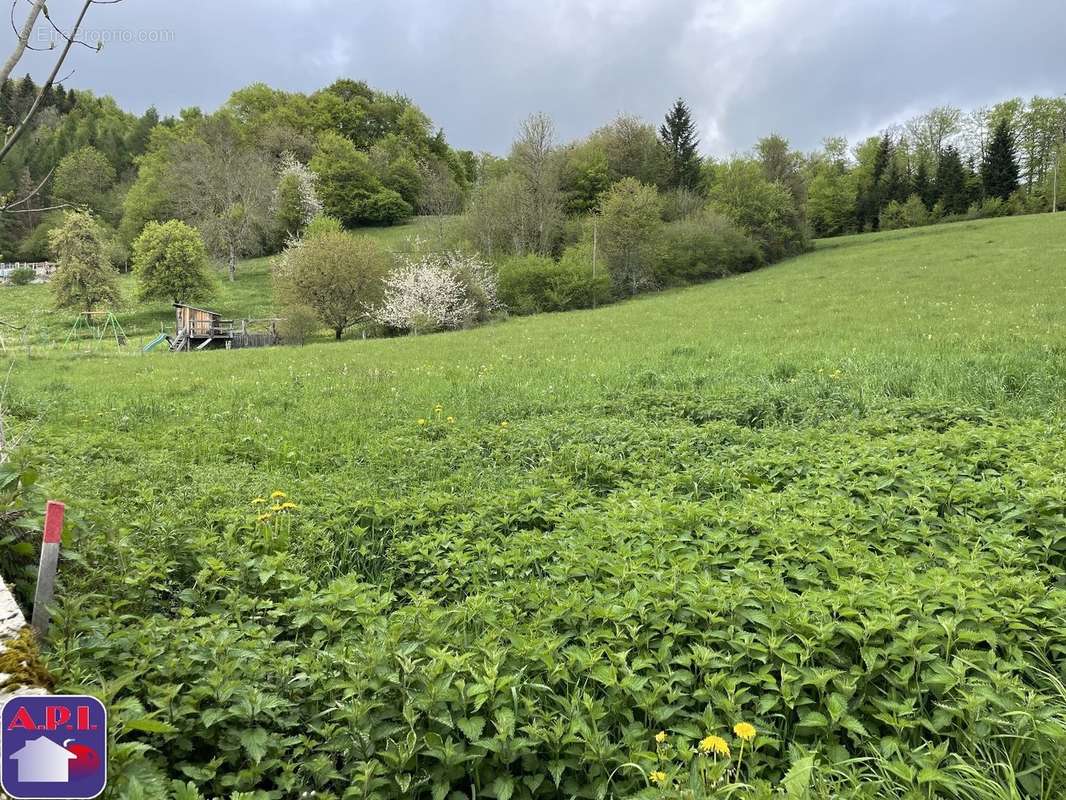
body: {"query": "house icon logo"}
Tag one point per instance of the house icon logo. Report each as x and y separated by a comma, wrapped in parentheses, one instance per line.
(53, 746)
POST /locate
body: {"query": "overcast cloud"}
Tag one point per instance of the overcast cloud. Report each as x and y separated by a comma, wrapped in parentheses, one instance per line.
(803, 68)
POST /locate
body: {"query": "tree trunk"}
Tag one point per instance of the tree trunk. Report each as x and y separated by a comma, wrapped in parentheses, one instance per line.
(23, 40)
(232, 264)
(338, 332)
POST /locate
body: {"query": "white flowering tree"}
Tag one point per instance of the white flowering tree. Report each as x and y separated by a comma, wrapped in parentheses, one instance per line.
(438, 291)
(296, 200)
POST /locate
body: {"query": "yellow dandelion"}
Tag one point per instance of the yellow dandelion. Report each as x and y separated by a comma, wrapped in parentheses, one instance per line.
(289, 506)
(258, 501)
(263, 517)
(451, 420)
(438, 408)
(660, 737)
(745, 731)
(421, 421)
(658, 778)
(277, 507)
(277, 494)
(714, 744)
(504, 424)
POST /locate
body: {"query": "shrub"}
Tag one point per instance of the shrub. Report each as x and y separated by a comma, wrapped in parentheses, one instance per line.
(532, 284)
(893, 217)
(915, 213)
(298, 324)
(385, 207)
(704, 247)
(682, 203)
(36, 246)
(170, 261)
(438, 291)
(22, 276)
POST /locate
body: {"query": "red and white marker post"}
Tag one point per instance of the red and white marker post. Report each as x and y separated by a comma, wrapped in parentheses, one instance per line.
(46, 572)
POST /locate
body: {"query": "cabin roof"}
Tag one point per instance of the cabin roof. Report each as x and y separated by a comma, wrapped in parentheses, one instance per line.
(196, 308)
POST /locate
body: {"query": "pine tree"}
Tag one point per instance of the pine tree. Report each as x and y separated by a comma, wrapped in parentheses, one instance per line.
(25, 95)
(951, 182)
(999, 170)
(678, 137)
(923, 186)
(7, 103)
(873, 198)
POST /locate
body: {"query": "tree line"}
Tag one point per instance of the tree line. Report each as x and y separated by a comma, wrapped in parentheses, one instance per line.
(629, 208)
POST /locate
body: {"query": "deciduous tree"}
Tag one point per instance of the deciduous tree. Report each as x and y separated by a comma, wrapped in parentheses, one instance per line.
(170, 261)
(630, 230)
(84, 278)
(336, 274)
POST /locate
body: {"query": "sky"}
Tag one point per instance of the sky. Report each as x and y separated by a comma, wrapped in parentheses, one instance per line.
(805, 69)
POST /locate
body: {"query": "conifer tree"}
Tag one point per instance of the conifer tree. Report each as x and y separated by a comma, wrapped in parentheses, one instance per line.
(951, 181)
(923, 185)
(999, 170)
(678, 137)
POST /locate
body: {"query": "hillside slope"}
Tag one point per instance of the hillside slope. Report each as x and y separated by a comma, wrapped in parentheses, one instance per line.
(827, 498)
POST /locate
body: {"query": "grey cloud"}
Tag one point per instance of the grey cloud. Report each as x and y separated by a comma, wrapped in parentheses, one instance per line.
(803, 68)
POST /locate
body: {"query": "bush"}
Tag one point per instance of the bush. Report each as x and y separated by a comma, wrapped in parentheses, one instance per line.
(385, 207)
(36, 246)
(682, 203)
(22, 276)
(439, 291)
(892, 217)
(532, 284)
(704, 247)
(915, 213)
(298, 324)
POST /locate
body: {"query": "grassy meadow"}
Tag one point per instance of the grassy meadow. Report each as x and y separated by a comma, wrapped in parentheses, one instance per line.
(250, 296)
(826, 498)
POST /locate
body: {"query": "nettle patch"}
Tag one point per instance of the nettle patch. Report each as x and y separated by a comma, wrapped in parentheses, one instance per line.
(581, 605)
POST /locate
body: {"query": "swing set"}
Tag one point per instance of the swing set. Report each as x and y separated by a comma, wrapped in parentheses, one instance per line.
(94, 327)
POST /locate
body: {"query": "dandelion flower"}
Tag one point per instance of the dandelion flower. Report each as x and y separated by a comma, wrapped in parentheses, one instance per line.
(289, 506)
(714, 744)
(258, 501)
(277, 494)
(421, 421)
(744, 730)
(504, 424)
(660, 737)
(451, 420)
(263, 517)
(277, 507)
(658, 778)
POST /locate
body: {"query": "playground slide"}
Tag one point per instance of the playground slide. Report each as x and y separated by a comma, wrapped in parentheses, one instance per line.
(152, 345)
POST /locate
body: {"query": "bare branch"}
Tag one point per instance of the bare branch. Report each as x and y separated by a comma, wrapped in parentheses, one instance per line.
(71, 38)
(8, 206)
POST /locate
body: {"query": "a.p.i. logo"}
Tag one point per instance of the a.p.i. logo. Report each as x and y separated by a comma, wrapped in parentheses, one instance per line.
(53, 746)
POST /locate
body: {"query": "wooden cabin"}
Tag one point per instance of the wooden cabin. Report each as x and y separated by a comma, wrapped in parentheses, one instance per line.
(200, 329)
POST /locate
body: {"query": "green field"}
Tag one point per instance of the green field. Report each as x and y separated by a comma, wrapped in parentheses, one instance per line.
(249, 297)
(827, 498)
